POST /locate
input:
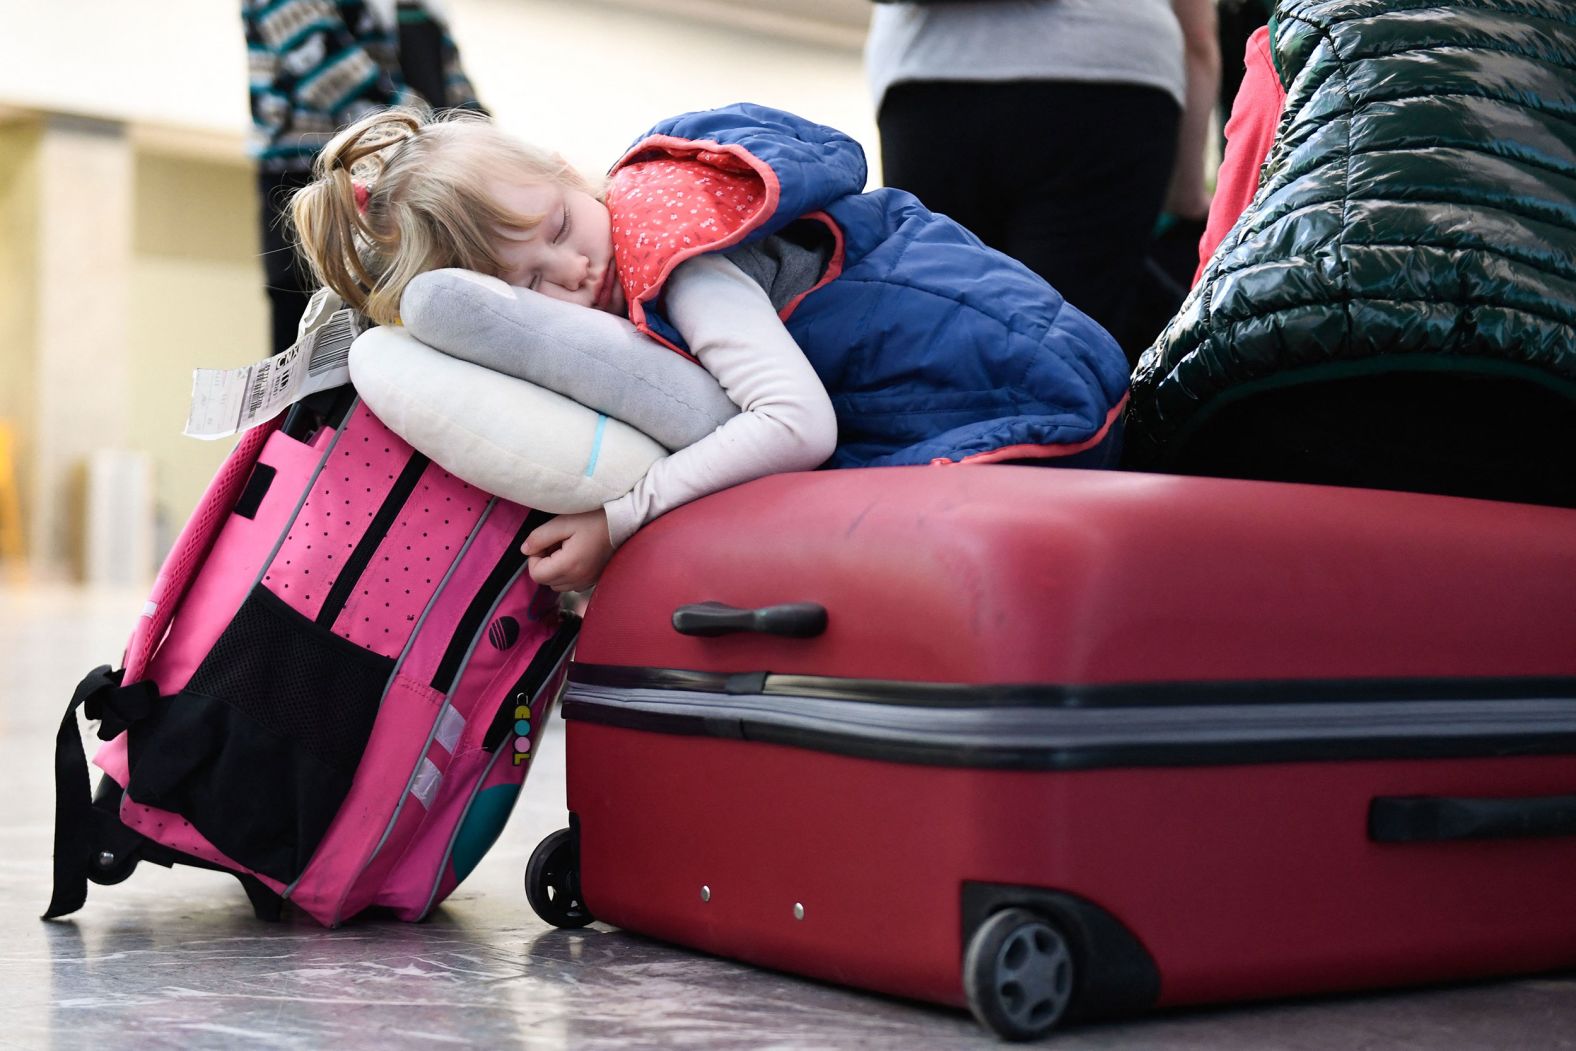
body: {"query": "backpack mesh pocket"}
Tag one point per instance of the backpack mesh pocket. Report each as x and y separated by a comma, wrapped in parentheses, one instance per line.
(258, 752)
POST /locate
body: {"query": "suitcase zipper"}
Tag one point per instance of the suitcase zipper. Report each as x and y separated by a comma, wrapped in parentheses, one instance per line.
(393, 504)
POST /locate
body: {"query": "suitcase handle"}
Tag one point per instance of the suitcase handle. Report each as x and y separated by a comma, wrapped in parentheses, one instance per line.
(1438, 819)
(794, 620)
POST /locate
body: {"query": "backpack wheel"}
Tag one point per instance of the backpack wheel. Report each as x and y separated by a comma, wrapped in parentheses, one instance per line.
(116, 848)
(110, 867)
(1018, 975)
(552, 881)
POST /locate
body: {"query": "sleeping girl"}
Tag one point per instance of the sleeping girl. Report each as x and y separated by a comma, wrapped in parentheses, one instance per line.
(852, 329)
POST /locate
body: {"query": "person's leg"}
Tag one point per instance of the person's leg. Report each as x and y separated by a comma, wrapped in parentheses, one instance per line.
(1069, 178)
(1086, 189)
(287, 280)
(933, 138)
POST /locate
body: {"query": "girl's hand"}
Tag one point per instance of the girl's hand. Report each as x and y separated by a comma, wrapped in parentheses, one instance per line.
(567, 553)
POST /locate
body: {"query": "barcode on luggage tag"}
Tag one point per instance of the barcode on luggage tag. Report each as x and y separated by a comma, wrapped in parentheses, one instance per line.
(331, 347)
(254, 397)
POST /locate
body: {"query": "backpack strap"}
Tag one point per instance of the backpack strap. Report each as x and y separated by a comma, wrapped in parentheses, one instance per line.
(191, 547)
(80, 825)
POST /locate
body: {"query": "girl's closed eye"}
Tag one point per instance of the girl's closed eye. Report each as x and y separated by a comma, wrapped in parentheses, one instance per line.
(563, 232)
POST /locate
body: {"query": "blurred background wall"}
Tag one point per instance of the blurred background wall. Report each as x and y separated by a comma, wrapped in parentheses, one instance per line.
(128, 242)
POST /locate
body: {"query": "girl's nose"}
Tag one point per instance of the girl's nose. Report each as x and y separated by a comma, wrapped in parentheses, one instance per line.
(575, 271)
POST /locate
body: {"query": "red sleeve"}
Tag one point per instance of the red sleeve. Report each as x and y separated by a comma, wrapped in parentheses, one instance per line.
(1249, 132)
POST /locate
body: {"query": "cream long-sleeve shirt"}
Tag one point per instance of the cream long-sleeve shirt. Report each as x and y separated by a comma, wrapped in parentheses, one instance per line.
(785, 423)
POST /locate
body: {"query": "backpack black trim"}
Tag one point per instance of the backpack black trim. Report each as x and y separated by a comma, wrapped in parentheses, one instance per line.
(91, 843)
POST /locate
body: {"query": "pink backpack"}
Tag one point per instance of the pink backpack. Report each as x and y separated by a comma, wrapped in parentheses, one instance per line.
(334, 690)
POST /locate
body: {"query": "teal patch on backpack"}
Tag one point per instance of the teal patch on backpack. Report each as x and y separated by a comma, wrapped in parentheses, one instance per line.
(484, 821)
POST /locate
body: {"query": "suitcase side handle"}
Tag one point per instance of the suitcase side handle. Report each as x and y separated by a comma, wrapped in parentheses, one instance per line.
(1439, 819)
(794, 620)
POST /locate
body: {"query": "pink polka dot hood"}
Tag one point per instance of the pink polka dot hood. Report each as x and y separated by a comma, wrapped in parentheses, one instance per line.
(933, 347)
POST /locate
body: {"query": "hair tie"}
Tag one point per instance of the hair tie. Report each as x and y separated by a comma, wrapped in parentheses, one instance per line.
(363, 192)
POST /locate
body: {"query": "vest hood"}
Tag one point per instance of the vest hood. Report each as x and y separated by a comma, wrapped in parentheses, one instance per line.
(718, 179)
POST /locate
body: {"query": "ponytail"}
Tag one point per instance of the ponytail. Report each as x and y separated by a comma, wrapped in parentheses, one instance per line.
(331, 215)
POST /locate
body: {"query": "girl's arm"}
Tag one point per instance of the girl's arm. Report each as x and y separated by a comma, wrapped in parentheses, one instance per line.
(786, 422)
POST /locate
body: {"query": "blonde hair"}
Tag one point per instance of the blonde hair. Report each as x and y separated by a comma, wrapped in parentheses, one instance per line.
(428, 202)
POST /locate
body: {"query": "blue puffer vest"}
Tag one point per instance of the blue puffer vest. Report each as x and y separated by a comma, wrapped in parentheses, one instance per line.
(933, 347)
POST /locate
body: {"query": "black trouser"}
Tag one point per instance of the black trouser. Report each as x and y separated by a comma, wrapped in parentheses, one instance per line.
(1067, 177)
(286, 277)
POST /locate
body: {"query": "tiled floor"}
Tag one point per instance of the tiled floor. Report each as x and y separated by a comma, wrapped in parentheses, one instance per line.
(175, 960)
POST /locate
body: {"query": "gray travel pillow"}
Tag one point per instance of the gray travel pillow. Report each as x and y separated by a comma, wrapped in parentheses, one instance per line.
(554, 406)
(590, 356)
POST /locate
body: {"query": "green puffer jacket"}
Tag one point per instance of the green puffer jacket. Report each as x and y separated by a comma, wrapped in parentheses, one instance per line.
(1417, 213)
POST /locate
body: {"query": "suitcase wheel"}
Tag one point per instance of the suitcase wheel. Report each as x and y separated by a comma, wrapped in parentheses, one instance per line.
(1018, 974)
(552, 881)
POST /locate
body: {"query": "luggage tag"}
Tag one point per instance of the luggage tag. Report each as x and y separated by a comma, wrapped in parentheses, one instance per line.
(228, 401)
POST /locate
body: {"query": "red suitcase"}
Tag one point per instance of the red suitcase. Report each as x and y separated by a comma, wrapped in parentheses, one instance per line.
(1054, 743)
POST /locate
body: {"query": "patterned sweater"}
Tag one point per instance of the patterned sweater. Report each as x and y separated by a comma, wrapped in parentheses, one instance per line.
(317, 65)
